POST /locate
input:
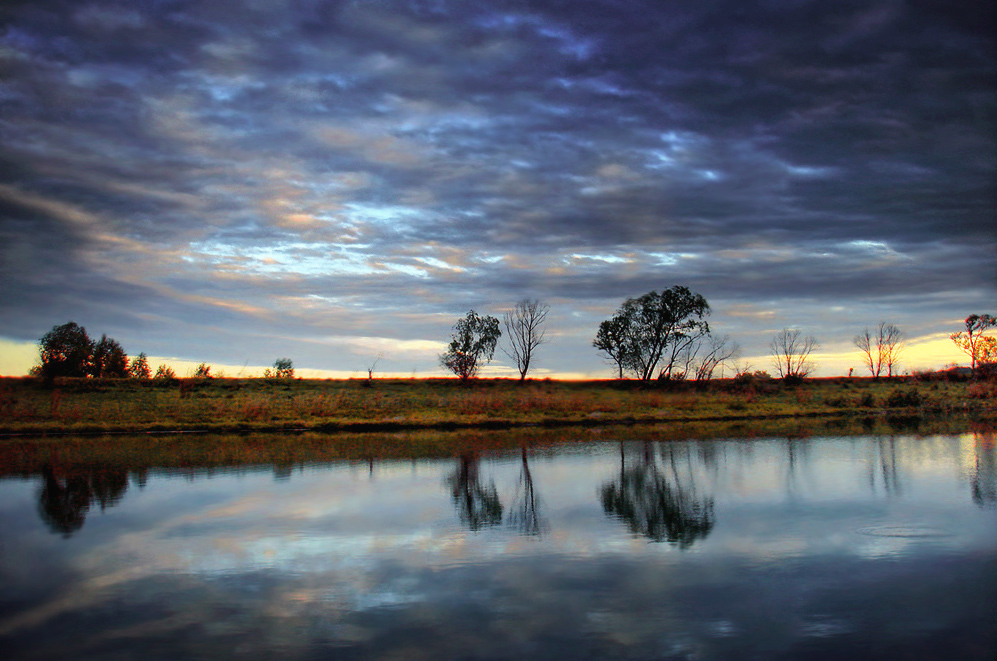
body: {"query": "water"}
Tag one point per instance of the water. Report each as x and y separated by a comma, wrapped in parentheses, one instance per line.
(825, 548)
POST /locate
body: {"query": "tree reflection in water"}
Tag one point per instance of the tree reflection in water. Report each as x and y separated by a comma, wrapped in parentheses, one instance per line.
(655, 505)
(67, 496)
(478, 506)
(525, 511)
(984, 475)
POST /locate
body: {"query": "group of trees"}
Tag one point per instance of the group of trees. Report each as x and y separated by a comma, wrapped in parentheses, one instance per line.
(648, 335)
(658, 335)
(475, 337)
(68, 351)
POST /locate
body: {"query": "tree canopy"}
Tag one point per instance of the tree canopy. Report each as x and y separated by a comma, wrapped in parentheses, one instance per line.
(647, 334)
(472, 342)
(66, 350)
(980, 348)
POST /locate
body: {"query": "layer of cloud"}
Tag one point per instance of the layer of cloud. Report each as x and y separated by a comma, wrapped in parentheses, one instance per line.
(232, 181)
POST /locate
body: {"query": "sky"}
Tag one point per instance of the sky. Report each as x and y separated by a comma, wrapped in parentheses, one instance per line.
(231, 182)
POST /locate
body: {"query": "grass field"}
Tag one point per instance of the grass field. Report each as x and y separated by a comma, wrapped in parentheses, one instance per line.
(237, 405)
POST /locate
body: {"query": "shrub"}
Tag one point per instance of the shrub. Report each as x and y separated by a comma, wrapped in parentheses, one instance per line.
(900, 398)
(982, 390)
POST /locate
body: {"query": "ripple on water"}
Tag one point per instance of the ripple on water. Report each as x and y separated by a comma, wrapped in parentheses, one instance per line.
(904, 532)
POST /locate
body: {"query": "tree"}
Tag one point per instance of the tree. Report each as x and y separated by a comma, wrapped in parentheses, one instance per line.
(139, 368)
(881, 350)
(165, 373)
(473, 340)
(641, 331)
(65, 350)
(109, 360)
(525, 327)
(611, 340)
(791, 353)
(980, 348)
(717, 351)
(283, 368)
(202, 371)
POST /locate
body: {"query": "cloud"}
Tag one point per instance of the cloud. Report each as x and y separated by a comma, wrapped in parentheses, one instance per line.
(394, 159)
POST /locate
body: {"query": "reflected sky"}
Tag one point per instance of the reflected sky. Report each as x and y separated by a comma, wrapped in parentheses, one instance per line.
(871, 547)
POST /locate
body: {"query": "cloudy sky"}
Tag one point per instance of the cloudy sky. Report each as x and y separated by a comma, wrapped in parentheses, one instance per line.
(236, 181)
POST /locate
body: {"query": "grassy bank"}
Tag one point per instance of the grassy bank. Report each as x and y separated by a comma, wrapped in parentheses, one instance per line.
(238, 405)
(197, 453)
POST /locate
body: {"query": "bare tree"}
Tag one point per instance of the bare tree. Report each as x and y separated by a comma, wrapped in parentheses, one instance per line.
(718, 350)
(791, 353)
(525, 326)
(372, 365)
(881, 349)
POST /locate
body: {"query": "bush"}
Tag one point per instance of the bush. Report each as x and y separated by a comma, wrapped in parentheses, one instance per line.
(982, 390)
(900, 398)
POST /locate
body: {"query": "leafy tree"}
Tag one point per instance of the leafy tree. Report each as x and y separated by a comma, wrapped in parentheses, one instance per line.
(109, 359)
(473, 340)
(283, 368)
(202, 371)
(165, 373)
(791, 353)
(612, 340)
(525, 328)
(139, 368)
(65, 350)
(648, 334)
(980, 348)
(880, 350)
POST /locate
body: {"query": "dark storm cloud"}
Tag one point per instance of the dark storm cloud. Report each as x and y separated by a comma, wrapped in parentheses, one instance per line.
(188, 161)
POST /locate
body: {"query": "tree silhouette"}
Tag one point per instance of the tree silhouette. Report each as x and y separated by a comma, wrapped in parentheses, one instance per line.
(880, 350)
(472, 342)
(648, 334)
(65, 350)
(109, 360)
(525, 327)
(791, 353)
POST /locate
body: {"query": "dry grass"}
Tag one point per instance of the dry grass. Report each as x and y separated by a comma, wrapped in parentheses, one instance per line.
(26, 406)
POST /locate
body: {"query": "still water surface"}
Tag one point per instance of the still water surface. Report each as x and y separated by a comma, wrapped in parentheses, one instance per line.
(857, 548)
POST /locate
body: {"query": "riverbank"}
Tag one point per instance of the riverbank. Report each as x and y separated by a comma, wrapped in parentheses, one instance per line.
(196, 453)
(88, 406)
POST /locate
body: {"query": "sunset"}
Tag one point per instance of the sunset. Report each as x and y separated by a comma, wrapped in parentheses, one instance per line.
(234, 182)
(483, 330)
